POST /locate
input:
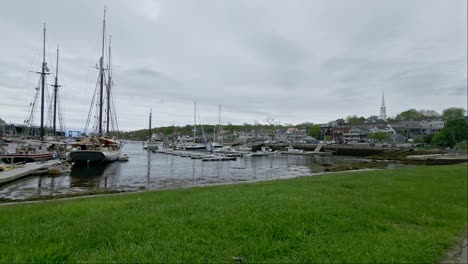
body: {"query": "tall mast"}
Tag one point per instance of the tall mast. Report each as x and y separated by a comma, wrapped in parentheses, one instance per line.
(173, 133)
(220, 131)
(101, 73)
(214, 133)
(43, 73)
(149, 129)
(109, 83)
(56, 86)
(194, 121)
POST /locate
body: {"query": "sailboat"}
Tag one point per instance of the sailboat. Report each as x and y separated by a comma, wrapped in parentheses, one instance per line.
(217, 146)
(150, 143)
(194, 145)
(29, 150)
(99, 148)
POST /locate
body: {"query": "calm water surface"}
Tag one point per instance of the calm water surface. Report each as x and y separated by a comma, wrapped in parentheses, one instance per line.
(152, 171)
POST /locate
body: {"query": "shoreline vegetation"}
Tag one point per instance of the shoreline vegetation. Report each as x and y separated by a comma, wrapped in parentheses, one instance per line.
(412, 214)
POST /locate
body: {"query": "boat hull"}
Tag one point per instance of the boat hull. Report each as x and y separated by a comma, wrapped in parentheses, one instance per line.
(195, 148)
(20, 158)
(151, 147)
(93, 157)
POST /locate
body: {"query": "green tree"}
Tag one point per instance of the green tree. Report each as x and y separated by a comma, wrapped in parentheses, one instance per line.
(428, 138)
(411, 114)
(454, 132)
(2, 126)
(453, 113)
(379, 136)
(372, 118)
(314, 131)
(429, 114)
(355, 120)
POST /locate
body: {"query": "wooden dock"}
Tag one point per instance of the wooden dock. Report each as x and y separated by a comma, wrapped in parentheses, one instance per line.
(24, 171)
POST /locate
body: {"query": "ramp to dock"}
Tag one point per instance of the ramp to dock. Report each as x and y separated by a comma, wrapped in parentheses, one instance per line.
(318, 148)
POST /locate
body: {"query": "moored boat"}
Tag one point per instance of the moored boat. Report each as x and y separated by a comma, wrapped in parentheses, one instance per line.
(29, 150)
(94, 151)
(28, 155)
(99, 148)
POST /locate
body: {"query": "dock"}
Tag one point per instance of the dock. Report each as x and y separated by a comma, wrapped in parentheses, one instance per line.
(203, 155)
(438, 159)
(24, 171)
(307, 153)
(218, 158)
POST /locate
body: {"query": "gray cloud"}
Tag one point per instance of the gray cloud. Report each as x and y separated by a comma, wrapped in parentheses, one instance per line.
(301, 61)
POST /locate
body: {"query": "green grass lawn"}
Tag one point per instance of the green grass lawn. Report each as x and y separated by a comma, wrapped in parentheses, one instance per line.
(405, 215)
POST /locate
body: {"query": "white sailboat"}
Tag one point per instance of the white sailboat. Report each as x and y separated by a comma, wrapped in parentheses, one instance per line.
(99, 147)
(217, 144)
(194, 145)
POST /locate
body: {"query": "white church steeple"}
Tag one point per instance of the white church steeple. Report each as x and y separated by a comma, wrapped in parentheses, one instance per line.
(383, 109)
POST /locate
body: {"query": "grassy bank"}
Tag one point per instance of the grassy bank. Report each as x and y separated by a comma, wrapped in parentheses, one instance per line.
(405, 215)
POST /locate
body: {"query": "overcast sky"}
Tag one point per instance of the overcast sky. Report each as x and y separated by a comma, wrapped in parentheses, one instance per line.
(296, 61)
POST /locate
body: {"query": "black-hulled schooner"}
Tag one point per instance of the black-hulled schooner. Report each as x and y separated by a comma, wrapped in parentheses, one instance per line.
(99, 147)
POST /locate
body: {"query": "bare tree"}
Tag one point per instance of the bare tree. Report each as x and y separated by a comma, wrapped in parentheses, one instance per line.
(271, 120)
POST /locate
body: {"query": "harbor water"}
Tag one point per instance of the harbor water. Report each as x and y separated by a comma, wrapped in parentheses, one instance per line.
(155, 171)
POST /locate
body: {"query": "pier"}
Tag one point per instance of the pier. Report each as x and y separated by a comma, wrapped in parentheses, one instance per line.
(202, 156)
(21, 172)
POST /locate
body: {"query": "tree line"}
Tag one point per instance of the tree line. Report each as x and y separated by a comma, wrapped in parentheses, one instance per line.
(411, 115)
(313, 130)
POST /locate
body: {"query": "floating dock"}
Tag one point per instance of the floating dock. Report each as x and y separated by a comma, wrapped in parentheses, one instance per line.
(202, 156)
(218, 158)
(24, 171)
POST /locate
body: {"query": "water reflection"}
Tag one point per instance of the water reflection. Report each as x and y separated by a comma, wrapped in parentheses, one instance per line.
(100, 177)
(150, 171)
